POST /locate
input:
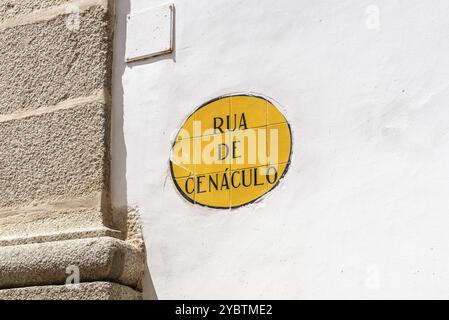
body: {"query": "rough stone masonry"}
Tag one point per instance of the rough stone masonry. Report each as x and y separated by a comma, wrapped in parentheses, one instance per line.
(55, 213)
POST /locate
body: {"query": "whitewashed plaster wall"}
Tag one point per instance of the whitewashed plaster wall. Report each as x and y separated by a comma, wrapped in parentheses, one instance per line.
(364, 209)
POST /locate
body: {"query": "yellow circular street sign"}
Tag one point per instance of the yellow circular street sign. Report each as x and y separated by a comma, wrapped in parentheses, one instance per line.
(231, 151)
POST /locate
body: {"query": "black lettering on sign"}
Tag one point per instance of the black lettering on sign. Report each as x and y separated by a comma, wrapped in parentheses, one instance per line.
(274, 177)
(221, 157)
(243, 125)
(187, 185)
(246, 182)
(234, 185)
(256, 174)
(199, 181)
(246, 178)
(213, 183)
(235, 122)
(225, 183)
(234, 150)
(218, 123)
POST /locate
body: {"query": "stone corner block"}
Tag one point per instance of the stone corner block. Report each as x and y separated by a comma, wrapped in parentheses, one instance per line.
(97, 259)
(84, 291)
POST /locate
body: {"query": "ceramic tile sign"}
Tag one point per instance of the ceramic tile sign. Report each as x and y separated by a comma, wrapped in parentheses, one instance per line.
(231, 152)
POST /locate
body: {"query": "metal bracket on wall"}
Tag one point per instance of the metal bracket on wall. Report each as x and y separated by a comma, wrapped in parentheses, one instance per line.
(150, 33)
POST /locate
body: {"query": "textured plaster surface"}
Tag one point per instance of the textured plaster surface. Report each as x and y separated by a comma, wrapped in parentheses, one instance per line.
(363, 211)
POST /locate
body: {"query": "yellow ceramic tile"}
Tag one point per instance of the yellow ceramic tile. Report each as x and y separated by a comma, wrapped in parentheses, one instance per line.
(180, 171)
(186, 131)
(279, 143)
(212, 118)
(275, 173)
(186, 187)
(212, 153)
(274, 116)
(182, 158)
(248, 185)
(248, 112)
(213, 190)
(248, 148)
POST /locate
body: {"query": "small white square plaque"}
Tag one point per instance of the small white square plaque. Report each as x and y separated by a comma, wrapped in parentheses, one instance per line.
(150, 33)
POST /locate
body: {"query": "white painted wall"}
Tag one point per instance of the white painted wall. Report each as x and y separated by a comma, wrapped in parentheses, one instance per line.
(364, 210)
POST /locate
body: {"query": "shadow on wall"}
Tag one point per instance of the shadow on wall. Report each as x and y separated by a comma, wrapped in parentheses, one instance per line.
(118, 150)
